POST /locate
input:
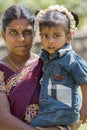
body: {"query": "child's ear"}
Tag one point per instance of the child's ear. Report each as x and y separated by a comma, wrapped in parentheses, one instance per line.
(68, 37)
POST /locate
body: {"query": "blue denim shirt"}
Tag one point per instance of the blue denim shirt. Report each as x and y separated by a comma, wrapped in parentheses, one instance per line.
(60, 101)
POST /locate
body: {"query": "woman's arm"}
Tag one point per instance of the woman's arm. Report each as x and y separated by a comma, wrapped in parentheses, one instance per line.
(83, 112)
(7, 120)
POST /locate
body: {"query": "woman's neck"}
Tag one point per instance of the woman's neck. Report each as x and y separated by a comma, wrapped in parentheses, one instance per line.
(17, 62)
(19, 59)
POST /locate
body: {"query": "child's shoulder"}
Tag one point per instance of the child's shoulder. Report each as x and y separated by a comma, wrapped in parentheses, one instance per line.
(71, 58)
(75, 58)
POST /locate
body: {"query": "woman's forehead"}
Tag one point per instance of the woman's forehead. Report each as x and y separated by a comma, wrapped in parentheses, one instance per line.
(19, 24)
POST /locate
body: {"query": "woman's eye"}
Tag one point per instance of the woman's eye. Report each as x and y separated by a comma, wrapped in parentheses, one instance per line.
(13, 32)
(27, 32)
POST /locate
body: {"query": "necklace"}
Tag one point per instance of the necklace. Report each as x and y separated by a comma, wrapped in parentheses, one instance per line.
(14, 65)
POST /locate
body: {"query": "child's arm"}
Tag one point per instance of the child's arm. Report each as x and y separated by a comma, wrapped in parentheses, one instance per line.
(84, 103)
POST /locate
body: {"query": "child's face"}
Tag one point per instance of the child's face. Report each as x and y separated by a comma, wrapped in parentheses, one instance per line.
(53, 38)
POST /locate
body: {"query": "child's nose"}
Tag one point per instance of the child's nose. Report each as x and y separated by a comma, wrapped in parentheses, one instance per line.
(51, 40)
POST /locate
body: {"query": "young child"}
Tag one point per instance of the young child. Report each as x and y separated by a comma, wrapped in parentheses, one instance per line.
(63, 71)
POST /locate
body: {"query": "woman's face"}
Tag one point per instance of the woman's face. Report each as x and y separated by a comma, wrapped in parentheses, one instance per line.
(19, 37)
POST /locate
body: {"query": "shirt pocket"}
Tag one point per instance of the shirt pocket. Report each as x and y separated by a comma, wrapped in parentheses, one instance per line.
(57, 74)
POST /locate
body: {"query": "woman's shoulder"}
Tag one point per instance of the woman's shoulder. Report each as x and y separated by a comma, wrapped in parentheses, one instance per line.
(32, 59)
(2, 62)
(4, 66)
(34, 55)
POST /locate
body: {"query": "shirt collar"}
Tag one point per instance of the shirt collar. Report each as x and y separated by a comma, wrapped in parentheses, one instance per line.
(44, 54)
(65, 49)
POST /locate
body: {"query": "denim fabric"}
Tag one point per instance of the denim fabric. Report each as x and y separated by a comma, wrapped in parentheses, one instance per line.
(60, 101)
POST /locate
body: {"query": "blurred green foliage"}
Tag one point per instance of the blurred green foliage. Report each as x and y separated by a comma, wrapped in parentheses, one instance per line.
(78, 6)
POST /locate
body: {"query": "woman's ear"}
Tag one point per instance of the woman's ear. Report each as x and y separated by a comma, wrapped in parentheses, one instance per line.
(3, 36)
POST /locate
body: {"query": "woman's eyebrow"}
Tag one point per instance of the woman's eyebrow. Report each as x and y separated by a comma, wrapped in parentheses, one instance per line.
(11, 29)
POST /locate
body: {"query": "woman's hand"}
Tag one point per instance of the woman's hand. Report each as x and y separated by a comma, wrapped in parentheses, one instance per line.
(50, 128)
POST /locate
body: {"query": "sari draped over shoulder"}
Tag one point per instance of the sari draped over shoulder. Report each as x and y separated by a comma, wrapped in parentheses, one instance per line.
(22, 89)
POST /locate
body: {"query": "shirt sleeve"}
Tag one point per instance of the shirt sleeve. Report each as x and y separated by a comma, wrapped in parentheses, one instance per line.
(2, 82)
(79, 71)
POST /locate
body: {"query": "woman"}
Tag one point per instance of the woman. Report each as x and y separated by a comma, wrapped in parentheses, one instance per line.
(20, 71)
(19, 68)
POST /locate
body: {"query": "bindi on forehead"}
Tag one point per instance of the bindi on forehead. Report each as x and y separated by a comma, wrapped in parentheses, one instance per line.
(20, 27)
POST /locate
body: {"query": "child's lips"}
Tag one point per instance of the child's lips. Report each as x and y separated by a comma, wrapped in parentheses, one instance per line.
(51, 48)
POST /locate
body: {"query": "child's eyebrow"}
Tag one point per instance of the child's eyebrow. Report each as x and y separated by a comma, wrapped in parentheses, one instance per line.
(57, 33)
(44, 33)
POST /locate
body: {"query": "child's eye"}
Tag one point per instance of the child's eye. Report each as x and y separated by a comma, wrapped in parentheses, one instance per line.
(56, 35)
(43, 36)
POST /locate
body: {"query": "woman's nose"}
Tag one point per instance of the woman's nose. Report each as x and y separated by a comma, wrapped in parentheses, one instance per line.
(20, 37)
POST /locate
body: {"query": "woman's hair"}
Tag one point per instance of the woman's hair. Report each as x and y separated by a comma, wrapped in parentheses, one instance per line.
(17, 12)
(57, 15)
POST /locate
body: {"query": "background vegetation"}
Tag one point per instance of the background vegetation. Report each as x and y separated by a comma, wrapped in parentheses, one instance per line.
(78, 6)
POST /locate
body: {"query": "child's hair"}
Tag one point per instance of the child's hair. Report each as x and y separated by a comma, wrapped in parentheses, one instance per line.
(75, 17)
(57, 15)
(17, 12)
